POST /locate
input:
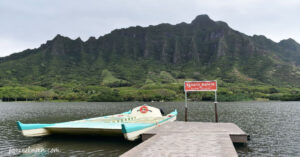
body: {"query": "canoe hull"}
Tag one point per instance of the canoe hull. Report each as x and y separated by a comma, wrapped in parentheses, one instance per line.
(86, 131)
(129, 124)
(71, 131)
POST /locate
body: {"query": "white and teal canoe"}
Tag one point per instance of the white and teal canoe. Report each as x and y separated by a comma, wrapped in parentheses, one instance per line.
(131, 124)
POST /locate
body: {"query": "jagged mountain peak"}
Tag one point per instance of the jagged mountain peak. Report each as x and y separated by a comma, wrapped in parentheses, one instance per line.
(60, 37)
(92, 38)
(61, 45)
(290, 44)
(202, 19)
(78, 39)
(289, 40)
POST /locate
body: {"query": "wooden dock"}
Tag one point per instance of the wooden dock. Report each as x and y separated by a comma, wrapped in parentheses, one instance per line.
(193, 139)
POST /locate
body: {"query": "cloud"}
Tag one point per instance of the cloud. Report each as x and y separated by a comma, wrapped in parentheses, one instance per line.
(8, 46)
(27, 24)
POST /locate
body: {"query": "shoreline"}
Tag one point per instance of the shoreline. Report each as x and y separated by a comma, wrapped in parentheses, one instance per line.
(66, 101)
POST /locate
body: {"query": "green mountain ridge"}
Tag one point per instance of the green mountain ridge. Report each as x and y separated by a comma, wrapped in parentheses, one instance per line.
(163, 54)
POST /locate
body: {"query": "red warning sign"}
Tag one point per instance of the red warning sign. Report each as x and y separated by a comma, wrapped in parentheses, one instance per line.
(200, 86)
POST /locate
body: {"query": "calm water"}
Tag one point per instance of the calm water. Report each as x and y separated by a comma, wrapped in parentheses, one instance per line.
(274, 126)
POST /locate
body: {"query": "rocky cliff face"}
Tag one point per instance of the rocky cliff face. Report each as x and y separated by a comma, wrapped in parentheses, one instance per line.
(169, 44)
(202, 49)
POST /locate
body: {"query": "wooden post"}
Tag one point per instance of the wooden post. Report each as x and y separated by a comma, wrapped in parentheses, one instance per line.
(216, 109)
(216, 112)
(185, 118)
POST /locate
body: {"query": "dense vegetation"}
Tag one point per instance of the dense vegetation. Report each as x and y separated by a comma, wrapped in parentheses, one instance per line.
(148, 92)
(151, 64)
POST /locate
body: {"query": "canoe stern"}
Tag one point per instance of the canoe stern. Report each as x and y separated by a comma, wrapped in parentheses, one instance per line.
(32, 130)
(132, 131)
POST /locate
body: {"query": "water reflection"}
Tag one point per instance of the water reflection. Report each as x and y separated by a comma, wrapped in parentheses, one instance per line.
(79, 146)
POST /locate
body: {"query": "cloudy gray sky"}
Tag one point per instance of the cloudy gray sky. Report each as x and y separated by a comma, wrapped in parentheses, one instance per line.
(29, 23)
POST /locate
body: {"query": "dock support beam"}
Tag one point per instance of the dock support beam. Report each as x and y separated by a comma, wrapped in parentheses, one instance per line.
(216, 109)
(185, 118)
(216, 112)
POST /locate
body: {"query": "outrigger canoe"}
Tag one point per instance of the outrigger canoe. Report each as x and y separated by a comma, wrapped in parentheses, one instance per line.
(131, 124)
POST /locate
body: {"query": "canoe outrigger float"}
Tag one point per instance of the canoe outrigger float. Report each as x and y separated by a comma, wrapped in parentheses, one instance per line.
(131, 124)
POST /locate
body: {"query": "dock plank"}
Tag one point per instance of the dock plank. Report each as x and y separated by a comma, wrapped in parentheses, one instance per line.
(192, 139)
